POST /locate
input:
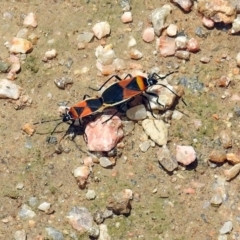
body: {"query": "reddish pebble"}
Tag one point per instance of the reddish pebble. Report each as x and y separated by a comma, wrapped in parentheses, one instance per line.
(148, 35)
(189, 190)
(185, 154)
(105, 69)
(192, 45)
(166, 46)
(126, 17)
(207, 22)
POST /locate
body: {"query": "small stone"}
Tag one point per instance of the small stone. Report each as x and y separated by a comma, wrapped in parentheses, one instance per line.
(223, 81)
(119, 64)
(103, 136)
(238, 59)
(101, 29)
(233, 158)
(128, 127)
(177, 115)
(166, 159)
(126, 17)
(158, 18)
(26, 212)
(217, 156)
(91, 194)
(63, 82)
(4, 66)
(182, 55)
(186, 5)
(105, 69)
(20, 45)
(103, 233)
(132, 42)
(54, 234)
(181, 42)
(156, 130)
(145, 146)
(45, 206)
(232, 172)
(207, 22)
(80, 219)
(166, 46)
(81, 174)
(105, 162)
(236, 25)
(225, 139)
(8, 89)
(205, 59)
(135, 54)
(30, 20)
(81, 46)
(105, 55)
(148, 35)
(94, 232)
(185, 154)
(28, 129)
(20, 235)
(226, 228)
(137, 113)
(20, 186)
(216, 200)
(193, 45)
(172, 30)
(85, 37)
(50, 54)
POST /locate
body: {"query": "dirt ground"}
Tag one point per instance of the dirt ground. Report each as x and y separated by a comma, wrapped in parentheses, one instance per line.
(169, 212)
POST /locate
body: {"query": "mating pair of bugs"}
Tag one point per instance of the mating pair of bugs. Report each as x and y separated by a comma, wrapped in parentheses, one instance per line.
(116, 95)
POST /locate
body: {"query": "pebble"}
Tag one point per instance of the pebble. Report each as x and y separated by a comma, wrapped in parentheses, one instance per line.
(144, 146)
(126, 17)
(50, 55)
(193, 45)
(216, 200)
(226, 228)
(91, 194)
(205, 59)
(238, 59)
(105, 162)
(119, 203)
(233, 158)
(8, 89)
(182, 54)
(125, 5)
(185, 154)
(137, 113)
(181, 42)
(20, 235)
(54, 234)
(28, 129)
(105, 55)
(105, 69)
(148, 34)
(166, 46)
(81, 174)
(166, 159)
(225, 139)
(20, 45)
(103, 235)
(104, 137)
(217, 156)
(63, 82)
(232, 172)
(172, 30)
(177, 115)
(132, 42)
(85, 37)
(186, 5)
(94, 232)
(45, 206)
(20, 186)
(26, 212)
(135, 54)
(158, 18)
(223, 81)
(4, 66)
(128, 127)
(80, 219)
(156, 130)
(236, 25)
(207, 22)
(101, 29)
(30, 20)
(119, 64)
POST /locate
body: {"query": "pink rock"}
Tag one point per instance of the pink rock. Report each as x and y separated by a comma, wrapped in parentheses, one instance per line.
(185, 154)
(148, 35)
(186, 5)
(20, 45)
(126, 17)
(172, 30)
(192, 45)
(103, 136)
(105, 69)
(101, 29)
(135, 54)
(207, 22)
(166, 46)
(30, 20)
